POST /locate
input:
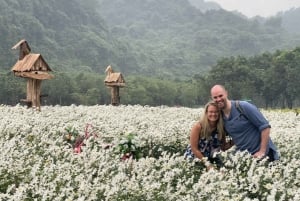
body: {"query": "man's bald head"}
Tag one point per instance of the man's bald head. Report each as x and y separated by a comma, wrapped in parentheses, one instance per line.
(219, 95)
(217, 87)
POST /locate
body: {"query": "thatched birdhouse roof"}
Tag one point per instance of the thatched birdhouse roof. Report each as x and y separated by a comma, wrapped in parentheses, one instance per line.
(24, 48)
(113, 79)
(30, 65)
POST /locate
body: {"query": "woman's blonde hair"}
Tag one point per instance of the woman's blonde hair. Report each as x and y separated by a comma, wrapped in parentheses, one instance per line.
(205, 128)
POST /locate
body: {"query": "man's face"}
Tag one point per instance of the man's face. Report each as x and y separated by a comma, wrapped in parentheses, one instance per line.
(219, 96)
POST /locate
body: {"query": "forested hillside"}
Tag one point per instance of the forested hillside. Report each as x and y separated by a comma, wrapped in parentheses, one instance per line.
(174, 37)
(71, 35)
(152, 38)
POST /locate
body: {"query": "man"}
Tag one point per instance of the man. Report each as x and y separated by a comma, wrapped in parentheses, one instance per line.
(250, 131)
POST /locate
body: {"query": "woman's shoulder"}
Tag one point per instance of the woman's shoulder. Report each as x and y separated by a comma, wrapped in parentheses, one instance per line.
(197, 124)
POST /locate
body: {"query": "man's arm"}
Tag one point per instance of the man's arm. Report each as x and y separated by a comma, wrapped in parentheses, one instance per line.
(265, 136)
(261, 123)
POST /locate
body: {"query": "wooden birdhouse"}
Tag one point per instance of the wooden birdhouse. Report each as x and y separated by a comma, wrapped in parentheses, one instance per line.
(34, 68)
(114, 81)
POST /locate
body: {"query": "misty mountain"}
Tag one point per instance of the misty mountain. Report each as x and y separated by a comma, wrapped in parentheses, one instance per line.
(205, 6)
(177, 38)
(150, 37)
(290, 20)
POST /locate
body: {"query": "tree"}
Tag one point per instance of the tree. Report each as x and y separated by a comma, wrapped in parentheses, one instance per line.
(288, 69)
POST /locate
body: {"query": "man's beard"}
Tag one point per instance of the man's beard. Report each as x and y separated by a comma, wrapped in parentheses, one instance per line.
(222, 104)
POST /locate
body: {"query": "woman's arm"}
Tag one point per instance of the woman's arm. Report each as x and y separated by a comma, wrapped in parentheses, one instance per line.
(194, 140)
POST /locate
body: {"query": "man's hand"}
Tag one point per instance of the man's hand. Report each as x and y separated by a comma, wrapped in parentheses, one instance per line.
(259, 154)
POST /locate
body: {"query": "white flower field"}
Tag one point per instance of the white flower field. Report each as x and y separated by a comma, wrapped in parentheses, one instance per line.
(134, 153)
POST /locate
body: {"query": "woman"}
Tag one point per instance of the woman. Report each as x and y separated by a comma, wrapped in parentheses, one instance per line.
(208, 137)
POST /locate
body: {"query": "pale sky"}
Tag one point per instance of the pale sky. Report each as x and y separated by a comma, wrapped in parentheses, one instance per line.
(263, 8)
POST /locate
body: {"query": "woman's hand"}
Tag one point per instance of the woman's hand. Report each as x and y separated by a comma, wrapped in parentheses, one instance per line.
(210, 167)
(227, 145)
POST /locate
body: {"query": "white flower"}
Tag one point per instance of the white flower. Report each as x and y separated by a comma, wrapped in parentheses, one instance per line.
(35, 160)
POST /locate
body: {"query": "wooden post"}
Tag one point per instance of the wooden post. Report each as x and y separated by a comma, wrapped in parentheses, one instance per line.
(115, 97)
(33, 93)
(29, 89)
(37, 94)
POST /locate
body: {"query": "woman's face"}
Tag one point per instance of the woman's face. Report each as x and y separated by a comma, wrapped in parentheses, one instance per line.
(212, 113)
